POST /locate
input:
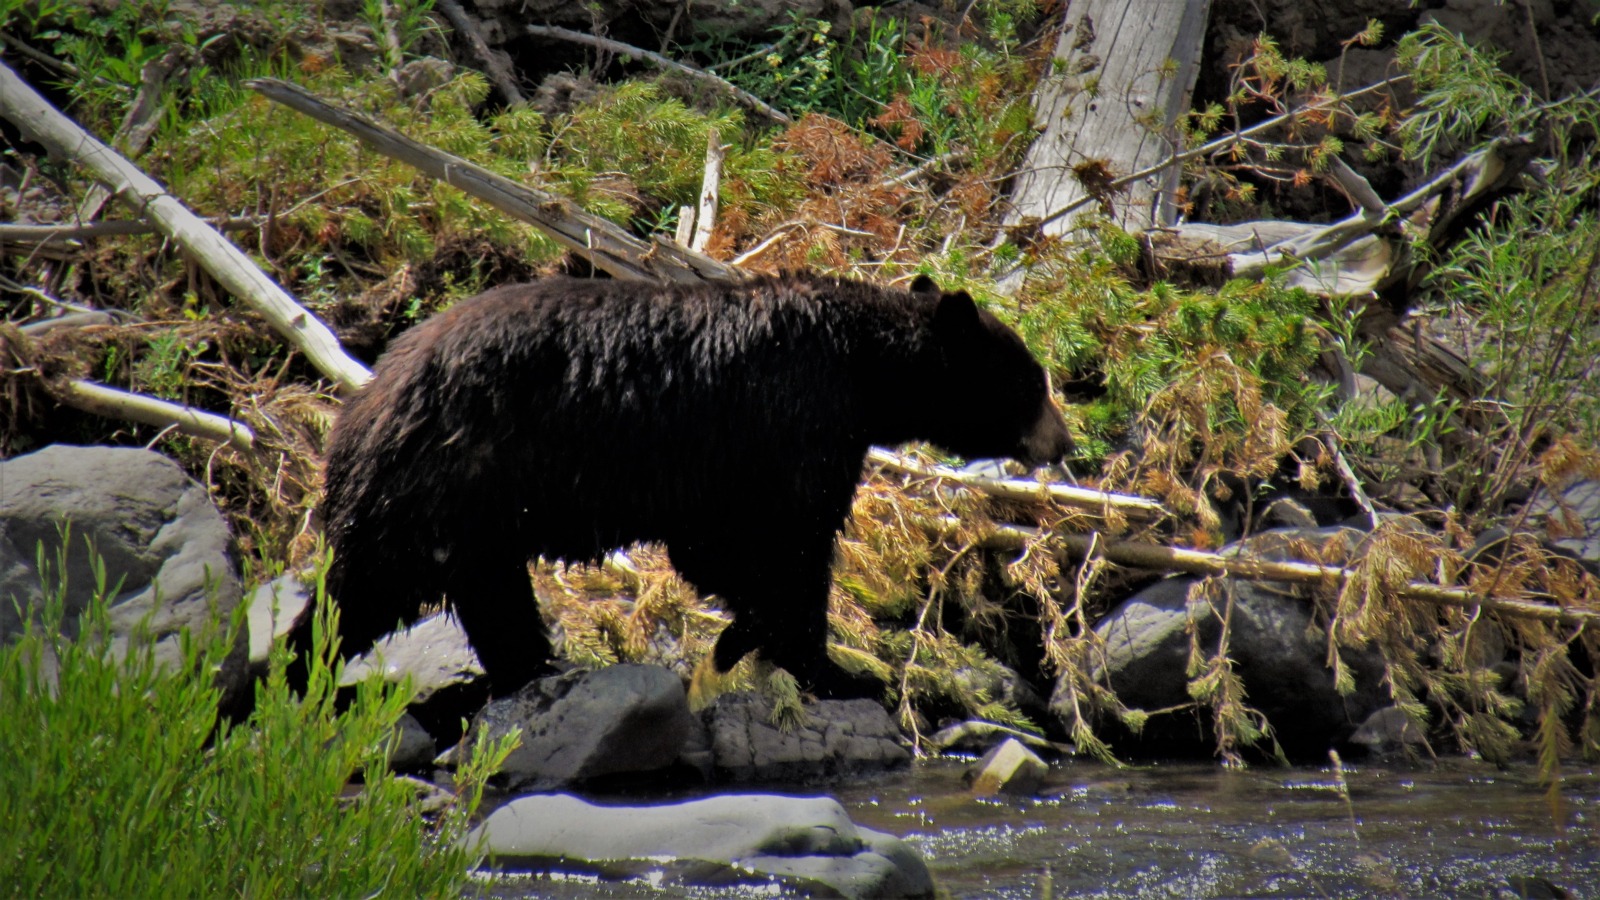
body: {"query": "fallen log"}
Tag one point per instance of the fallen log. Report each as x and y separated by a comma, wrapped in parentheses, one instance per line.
(1160, 558)
(605, 244)
(742, 97)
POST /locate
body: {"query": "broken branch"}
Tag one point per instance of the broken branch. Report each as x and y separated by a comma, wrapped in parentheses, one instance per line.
(706, 218)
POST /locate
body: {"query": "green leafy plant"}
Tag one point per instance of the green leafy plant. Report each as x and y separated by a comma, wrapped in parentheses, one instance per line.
(162, 799)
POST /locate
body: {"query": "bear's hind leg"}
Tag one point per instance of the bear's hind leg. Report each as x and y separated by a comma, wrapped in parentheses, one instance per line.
(777, 591)
(492, 597)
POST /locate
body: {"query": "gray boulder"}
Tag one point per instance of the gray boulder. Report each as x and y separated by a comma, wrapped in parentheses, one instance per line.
(840, 738)
(809, 843)
(274, 609)
(622, 719)
(1278, 649)
(1570, 519)
(154, 528)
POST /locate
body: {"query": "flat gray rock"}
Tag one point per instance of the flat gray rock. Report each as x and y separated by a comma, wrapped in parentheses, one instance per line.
(808, 842)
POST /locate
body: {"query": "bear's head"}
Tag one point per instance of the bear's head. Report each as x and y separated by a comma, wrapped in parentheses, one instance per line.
(992, 398)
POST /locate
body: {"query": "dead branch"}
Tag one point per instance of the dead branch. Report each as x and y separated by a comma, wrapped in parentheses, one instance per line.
(71, 320)
(1023, 489)
(23, 106)
(1198, 562)
(923, 168)
(603, 243)
(742, 97)
(114, 404)
(1476, 174)
(493, 65)
(40, 234)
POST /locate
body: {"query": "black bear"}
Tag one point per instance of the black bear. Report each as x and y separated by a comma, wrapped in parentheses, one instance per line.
(569, 417)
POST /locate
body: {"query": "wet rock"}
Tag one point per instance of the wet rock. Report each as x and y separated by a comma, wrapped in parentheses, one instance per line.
(1278, 651)
(1387, 732)
(414, 748)
(154, 528)
(840, 738)
(622, 719)
(1008, 767)
(809, 843)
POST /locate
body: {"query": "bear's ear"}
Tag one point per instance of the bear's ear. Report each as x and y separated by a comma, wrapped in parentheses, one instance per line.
(957, 314)
(923, 286)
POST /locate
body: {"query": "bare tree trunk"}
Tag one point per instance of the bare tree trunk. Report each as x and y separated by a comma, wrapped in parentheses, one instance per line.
(1122, 74)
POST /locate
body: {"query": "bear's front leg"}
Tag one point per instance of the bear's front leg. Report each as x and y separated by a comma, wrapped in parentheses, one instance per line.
(492, 597)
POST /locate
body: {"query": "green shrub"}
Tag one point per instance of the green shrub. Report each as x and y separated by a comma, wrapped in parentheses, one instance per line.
(118, 780)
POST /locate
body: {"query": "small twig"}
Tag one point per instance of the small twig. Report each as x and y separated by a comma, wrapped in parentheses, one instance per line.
(753, 54)
(922, 169)
(39, 295)
(59, 65)
(743, 97)
(776, 235)
(1330, 439)
(84, 319)
(38, 234)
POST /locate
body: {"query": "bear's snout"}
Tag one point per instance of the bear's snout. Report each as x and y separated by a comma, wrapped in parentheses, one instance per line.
(1048, 443)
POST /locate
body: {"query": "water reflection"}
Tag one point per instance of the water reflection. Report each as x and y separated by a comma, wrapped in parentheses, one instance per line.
(1195, 830)
(1455, 829)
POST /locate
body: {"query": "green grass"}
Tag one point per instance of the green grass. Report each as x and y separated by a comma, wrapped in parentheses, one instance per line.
(117, 780)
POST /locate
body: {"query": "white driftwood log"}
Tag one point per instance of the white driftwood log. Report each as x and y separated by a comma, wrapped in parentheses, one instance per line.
(1129, 505)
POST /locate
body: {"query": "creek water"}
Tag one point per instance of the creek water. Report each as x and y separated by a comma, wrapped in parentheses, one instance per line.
(1454, 828)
